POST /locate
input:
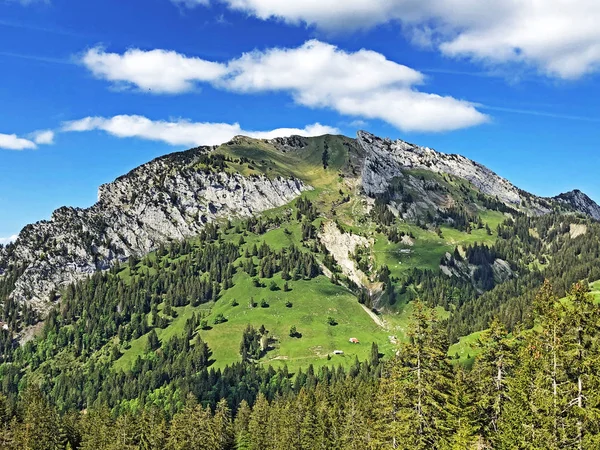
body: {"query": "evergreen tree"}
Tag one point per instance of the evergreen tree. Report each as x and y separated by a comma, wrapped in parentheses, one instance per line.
(491, 370)
(222, 428)
(424, 384)
(153, 342)
(258, 425)
(240, 426)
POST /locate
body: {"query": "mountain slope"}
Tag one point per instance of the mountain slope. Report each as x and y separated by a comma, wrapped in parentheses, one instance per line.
(580, 202)
(173, 197)
(168, 198)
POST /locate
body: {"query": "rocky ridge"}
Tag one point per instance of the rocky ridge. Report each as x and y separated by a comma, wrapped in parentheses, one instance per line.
(175, 196)
(387, 159)
(580, 202)
(169, 198)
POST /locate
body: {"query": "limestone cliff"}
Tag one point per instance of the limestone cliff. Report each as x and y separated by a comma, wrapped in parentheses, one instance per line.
(169, 198)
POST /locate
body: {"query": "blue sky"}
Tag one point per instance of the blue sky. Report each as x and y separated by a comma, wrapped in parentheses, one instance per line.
(89, 90)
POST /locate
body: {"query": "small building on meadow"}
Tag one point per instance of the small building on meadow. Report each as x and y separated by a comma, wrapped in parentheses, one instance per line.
(338, 352)
(354, 341)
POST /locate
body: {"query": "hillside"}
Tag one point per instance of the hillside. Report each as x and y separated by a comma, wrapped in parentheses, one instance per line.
(385, 215)
(271, 267)
(173, 197)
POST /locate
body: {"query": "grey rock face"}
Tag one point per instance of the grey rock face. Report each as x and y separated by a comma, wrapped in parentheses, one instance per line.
(168, 198)
(386, 159)
(580, 202)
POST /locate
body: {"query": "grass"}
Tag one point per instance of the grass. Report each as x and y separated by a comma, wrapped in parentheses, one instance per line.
(314, 300)
(466, 349)
(176, 327)
(428, 247)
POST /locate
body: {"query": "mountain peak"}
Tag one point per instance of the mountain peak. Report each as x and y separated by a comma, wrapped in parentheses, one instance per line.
(580, 202)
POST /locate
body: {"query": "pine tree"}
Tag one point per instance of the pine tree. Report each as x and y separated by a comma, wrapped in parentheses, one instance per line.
(582, 361)
(153, 342)
(537, 405)
(153, 429)
(191, 428)
(98, 429)
(40, 428)
(424, 379)
(388, 404)
(240, 426)
(258, 425)
(462, 412)
(491, 369)
(222, 427)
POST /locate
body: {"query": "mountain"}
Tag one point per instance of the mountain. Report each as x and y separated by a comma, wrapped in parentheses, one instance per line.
(175, 196)
(580, 202)
(287, 270)
(170, 198)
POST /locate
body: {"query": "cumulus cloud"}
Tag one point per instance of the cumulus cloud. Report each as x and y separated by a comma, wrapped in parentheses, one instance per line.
(363, 84)
(318, 75)
(8, 240)
(183, 132)
(561, 38)
(157, 71)
(13, 142)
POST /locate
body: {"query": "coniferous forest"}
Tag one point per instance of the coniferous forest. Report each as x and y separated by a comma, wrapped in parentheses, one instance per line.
(533, 384)
(533, 388)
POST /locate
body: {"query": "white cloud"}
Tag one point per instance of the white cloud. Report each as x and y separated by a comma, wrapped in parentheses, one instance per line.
(156, 71)
(561, 38)
(358, 123)
(361, 84)
(183, 132)
(318, 75)
(8, 240)
(13, 142)
(43, 137)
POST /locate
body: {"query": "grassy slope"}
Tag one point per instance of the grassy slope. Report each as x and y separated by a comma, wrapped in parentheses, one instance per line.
(312, 302)
(316, 299)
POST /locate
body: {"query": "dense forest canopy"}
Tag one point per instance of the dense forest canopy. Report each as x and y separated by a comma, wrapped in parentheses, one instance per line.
(535, 388)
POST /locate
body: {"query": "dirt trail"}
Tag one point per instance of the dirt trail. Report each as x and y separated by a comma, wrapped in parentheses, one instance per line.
(375, 317)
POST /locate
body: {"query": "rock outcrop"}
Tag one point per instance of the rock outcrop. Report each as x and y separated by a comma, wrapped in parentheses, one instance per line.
(342, 246)
(169, 198)
(387, 159)
(580, 202)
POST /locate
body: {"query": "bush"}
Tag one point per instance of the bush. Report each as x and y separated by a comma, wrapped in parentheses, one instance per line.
(264, 304)
(220, 318)
(331, 321)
